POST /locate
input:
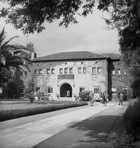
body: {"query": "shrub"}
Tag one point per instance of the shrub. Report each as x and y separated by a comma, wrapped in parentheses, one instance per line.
(12, 114)
(40, 95)
(85, 95)
(136, 87)
(123, 140)
(30, 94)
(131, 118)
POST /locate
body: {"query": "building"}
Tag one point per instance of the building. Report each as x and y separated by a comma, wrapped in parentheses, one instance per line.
(73, 72)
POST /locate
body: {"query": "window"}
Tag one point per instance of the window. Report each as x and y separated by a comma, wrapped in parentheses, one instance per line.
(66, 70)
(119, 71)
(79, 70)
(113, 72)
(37, 89)
(40, 71)
(93, 70)
(52, 71)
(81, 89)
(96, 90)
(70, 70)
(35, 71)
(50, 90)
(124, 73)
(48, 71)
(99, 69)
(114, 91)
(84, 69)
(61, 70)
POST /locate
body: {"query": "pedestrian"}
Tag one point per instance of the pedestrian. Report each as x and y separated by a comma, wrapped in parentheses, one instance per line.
(68, 93)
(121, 97)
(91, 97)
(104, 98)
(118, 96)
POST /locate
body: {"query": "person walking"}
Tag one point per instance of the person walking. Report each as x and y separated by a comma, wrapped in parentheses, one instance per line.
(104, 98)
(91, 96)
(121, 97)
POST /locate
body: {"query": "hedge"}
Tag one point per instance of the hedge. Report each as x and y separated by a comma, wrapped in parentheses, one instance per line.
(17, 113)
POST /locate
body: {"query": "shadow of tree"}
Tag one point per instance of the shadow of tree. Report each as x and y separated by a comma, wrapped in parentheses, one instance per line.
(100, 128)
(97, 131)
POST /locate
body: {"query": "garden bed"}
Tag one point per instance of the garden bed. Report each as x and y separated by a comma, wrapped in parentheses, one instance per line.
(16, 109)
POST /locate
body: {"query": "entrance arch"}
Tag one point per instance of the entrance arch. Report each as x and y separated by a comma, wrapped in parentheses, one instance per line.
(64, 90)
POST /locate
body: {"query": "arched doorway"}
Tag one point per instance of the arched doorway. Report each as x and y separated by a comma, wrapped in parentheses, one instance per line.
(65, 88)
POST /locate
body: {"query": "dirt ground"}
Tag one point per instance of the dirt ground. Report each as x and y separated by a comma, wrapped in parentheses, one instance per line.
(98, 131)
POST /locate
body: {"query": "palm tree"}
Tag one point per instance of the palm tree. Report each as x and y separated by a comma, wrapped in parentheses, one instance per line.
(11, 57)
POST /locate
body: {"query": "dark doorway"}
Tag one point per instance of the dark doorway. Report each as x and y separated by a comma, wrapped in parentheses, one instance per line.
(66, 90)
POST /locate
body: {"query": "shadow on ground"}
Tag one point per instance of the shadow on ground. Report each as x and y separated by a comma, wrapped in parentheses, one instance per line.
(97, 131)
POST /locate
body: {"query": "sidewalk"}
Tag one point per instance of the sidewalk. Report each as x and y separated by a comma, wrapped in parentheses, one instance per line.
(30, 134)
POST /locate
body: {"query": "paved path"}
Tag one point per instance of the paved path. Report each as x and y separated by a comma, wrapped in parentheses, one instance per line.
(32, 133)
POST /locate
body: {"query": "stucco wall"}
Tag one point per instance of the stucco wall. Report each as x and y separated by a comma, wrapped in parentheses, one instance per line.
(105, 80)
(86, 80)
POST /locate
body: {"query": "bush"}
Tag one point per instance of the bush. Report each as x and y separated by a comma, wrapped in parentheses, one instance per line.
(123, 140)
(131, 119)
(12, 114)
(30, 94)
(136, 87)
(85, 95)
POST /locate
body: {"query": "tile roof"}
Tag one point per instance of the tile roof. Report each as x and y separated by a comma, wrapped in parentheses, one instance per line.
(77, 55)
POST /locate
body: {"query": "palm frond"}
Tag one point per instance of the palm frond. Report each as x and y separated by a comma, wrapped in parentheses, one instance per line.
(2, 59)
(4, 44)
(2, 36)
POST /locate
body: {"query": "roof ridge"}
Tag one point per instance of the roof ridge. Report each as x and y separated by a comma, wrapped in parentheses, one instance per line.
(71, 55)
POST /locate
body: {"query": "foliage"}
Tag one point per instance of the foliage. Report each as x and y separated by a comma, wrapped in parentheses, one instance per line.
(40, 95)
(29, 93)
(85, 95)
(10, 90)
(131, 119)
(10, 57)
(123, 140)
(12, 114)
(29, 16)
(136, 87)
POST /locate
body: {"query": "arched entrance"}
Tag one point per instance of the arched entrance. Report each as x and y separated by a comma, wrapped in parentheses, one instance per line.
(66, 90)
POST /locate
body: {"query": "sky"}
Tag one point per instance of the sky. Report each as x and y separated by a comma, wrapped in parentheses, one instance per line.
(88, 35)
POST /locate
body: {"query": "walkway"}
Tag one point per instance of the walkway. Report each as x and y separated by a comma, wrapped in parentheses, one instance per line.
(30, 134)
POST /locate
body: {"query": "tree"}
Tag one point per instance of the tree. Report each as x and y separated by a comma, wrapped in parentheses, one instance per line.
(30, 16)
(11, 57)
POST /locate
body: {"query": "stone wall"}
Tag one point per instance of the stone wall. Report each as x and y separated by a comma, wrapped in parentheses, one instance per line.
(105, 80)
(87, 80)
(120, 78)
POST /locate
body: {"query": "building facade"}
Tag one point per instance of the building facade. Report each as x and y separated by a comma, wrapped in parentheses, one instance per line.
(74, 72)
